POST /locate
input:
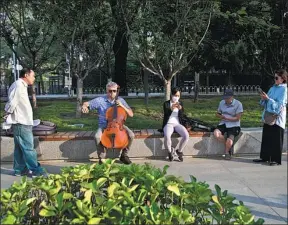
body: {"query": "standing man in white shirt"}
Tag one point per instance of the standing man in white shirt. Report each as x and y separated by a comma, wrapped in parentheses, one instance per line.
(20, 111)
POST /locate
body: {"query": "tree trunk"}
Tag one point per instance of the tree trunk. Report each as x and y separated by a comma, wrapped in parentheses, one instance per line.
(41, 84)
(175, 81)
(229, 79)
(196, 88)
(120, 49)
(79, 97)
(33, 94)
(146, 85)
(167, 84)
(207, 83)
(196, 92)
(108, 67)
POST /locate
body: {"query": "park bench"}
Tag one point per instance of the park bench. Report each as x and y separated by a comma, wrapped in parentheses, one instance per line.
(89, 135)
(148, 143)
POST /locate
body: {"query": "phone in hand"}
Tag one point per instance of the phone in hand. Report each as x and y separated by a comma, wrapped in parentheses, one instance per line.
(260, 91)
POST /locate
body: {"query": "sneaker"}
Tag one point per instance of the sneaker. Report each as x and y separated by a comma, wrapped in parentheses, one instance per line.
(39, 174)
(170, 156)
(180, 155)
(125, 159)
(226, 156)
(25, 172)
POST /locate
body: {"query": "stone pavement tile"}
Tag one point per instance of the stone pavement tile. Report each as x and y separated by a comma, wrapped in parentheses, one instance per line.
(272, 211)
(7, 176)
(261, 208)
(263, 181)
(275, 198)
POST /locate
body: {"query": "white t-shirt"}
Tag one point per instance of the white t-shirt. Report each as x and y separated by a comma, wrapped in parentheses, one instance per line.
(174, 119)
(18, 105)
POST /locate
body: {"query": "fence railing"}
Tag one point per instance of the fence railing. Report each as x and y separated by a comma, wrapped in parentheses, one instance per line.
(238, 89)
(209, 90)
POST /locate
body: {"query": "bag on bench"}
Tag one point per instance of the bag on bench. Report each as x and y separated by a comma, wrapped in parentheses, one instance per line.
(43, 129)
(196, 124)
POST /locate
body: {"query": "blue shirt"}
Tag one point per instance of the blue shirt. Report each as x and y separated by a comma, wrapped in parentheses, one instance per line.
(229, 111)
(276, 103)
(102, 104)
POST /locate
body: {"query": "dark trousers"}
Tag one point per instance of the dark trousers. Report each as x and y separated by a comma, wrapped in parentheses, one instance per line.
(272, 143)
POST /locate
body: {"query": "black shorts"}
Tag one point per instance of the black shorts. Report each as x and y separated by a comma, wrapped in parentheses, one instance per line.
(232, 132)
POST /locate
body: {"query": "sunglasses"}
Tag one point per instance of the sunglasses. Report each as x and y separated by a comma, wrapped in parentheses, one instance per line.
(110, 91)
(276, 78)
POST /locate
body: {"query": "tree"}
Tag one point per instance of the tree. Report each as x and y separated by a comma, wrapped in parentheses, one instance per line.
(271, 44)
(167, 33)
(33, 37)
(5, 71)
(86, 37)
(123, 12)
(230, 43)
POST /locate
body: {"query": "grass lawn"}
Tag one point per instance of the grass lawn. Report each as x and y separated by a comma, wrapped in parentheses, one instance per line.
(62, 112)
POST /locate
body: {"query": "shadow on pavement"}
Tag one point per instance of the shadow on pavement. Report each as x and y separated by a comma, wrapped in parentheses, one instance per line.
(261, 201)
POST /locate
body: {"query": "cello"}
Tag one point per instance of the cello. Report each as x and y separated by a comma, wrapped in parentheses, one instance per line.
(115, 135)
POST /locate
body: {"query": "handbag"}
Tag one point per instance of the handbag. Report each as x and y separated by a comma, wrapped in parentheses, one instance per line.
(270, 118)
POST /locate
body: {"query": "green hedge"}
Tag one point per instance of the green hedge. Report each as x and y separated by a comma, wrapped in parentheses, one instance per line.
(119, 194)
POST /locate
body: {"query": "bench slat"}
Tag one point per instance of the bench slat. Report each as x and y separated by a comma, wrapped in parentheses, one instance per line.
(72, 134)
(144, 132)
(59, 134)
(89, 134)
(137, 133)
(150, 131)
(199, 134)
(66, 135)
(80, 134)
(136, 130)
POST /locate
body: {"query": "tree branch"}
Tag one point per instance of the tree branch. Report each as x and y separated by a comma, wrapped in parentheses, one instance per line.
(207, 28)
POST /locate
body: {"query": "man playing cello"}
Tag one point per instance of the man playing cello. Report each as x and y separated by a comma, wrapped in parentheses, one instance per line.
(102, 104)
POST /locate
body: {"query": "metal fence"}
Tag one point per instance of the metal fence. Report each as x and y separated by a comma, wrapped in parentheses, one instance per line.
(238, 89)
(203, 90)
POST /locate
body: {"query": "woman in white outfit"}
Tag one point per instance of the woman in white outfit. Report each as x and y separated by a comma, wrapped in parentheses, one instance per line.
(173, 110)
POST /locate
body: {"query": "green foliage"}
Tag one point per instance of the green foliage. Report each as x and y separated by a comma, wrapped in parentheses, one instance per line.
(235, 28)
(119, 194)
(62, 113)
(33, 34)
(167, 33)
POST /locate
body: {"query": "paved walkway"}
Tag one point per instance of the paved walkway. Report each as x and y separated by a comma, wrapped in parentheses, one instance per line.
(261, 187)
